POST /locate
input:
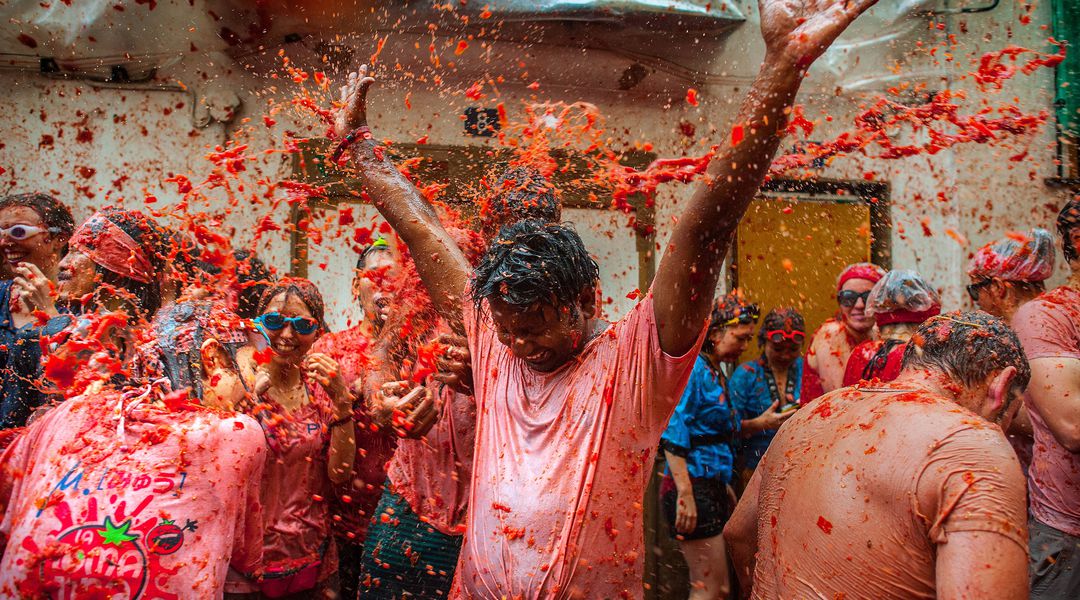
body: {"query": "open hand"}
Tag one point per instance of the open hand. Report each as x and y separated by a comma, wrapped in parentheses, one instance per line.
(353, 110)
(797, 32)
(455, 364)
(34, 289)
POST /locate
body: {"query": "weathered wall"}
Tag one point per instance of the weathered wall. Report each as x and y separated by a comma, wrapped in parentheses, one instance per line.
(137, 137)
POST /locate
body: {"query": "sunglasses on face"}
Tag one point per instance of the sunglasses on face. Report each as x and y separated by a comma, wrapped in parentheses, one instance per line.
(849, 298)
(276, 322)
(25, 232)
(778, 335)
(973, 289)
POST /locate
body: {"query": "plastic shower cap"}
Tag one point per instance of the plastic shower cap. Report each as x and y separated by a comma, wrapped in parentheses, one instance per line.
(1016, 257)
(902, 296)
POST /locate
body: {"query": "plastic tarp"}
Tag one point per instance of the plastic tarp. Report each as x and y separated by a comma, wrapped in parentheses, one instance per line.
(75, 30)
(80, 30)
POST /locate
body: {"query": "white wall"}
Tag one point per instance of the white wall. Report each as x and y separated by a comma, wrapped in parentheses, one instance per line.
(986, 194)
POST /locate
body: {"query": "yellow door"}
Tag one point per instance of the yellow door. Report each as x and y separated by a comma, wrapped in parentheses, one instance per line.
(790, 253)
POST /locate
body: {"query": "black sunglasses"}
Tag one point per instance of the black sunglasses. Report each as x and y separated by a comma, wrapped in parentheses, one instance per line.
(973, 289)
(849, 298)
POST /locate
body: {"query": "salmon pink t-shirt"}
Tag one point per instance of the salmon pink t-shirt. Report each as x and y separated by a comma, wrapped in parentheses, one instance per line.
(860, 487)
(295, 491)
(1049, 327)
(432, 473)
(562, 461)
(158, 511)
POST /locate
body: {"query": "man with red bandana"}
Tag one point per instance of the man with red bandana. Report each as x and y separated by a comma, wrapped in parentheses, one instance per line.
(829, 349)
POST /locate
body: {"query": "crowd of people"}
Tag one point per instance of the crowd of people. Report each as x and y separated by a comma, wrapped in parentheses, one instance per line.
(181, 423)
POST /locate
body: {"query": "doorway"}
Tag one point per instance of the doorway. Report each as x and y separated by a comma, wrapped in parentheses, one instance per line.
(796, 238)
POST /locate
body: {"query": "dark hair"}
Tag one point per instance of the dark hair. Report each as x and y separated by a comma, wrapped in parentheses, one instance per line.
(253, 277)
(968, 347)
(786, 319)
(54, 213)
(522, 193)
(176, 350)
(372, 248)
(305, 290)
(1067, 220)
(530, 262)
(728, 310)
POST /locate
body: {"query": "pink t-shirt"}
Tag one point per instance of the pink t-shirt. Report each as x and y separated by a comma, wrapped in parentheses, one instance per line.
(1049, 327)
(295, 491)
(160, 512)
(562, 461)
(432, 474)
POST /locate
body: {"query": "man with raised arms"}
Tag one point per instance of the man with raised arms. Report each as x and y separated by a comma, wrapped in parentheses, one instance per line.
(570, 410)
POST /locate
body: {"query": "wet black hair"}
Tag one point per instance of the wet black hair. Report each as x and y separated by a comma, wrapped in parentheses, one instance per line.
(968, 347)
(522, 193)
(54, 213)
(534, 262)
(1067, 220)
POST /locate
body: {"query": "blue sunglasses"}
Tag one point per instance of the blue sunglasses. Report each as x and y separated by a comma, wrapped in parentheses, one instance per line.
(276, 322)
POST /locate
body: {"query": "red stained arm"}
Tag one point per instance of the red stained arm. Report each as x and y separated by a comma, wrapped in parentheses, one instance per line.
(979, 564)
(795, 35)
(440, 262)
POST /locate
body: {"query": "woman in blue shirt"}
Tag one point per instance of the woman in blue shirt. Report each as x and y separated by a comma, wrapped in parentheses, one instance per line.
(699, 446)
(771, 384)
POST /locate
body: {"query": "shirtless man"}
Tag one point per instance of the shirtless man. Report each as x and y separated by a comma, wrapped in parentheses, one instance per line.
(905, 490)
(570, 411)
(829, 349)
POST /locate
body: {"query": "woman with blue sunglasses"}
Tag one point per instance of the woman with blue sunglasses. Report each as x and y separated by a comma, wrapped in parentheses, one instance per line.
(306, 410)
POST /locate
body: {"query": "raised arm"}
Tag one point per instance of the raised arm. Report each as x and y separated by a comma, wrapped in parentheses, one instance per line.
(796, 32)
(438, 259)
